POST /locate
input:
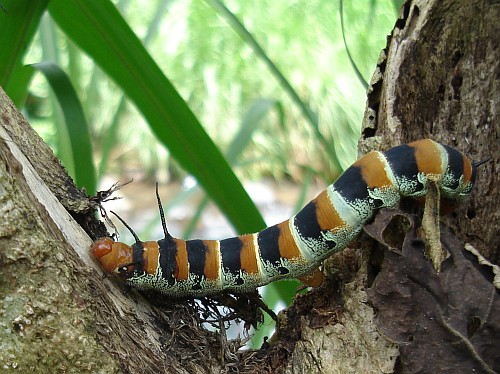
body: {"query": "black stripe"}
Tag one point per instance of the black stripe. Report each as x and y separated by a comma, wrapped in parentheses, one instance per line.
(268, 242)
(351, 185)
(455, 165)
(306, 222)
(403, 163)
(168, 252)
(137, 259)
(230, 255)
(196, 257)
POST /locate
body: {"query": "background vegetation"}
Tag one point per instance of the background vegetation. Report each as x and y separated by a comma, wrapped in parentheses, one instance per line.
(164, 89)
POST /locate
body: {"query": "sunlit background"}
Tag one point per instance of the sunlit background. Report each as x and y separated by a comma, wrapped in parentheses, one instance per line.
(238, 68)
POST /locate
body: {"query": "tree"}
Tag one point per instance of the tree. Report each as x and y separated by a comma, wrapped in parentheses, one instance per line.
(438, 77)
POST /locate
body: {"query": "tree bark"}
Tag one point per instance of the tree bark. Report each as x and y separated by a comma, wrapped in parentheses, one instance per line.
(437, 78)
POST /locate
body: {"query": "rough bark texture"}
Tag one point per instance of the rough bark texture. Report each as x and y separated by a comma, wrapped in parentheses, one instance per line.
(44, 292)
(438, 78)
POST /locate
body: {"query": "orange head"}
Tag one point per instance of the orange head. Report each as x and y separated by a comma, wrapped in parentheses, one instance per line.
(113, 256)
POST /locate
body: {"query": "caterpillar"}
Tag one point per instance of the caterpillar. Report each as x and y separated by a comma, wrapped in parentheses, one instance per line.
(296, 247)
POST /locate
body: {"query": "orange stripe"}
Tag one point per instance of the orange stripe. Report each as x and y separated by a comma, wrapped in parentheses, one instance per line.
(327, 216)
(248, 255)
(373, 171)
(212, 259)
(287, 246)
(181, 259)
(150, 256)
(428, 157)
(467, 170)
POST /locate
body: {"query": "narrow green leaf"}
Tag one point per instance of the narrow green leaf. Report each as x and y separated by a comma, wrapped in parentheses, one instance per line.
(351, 60)
(97, 27)
(18, 22)
(109, 140)
(17, 88)
(77, 129)
(252, 119)
(51, 52)
(309, 115)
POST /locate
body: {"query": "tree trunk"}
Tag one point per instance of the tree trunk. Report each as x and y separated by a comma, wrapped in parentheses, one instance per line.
(438, 78)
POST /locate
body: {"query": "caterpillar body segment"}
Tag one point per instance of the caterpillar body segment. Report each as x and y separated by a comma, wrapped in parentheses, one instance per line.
(293, 248)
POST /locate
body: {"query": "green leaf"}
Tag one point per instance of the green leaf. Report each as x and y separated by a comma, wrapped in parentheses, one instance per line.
(252, 119)
(249, 124)
(18, 22)
(360, 77)
(97, 28)
(307, 112)
(80, 154)
(17, 88)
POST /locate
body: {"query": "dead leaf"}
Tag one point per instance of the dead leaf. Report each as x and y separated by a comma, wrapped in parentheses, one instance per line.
(443, 322)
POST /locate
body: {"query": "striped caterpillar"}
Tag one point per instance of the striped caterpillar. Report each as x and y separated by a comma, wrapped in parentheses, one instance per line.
(296, 247)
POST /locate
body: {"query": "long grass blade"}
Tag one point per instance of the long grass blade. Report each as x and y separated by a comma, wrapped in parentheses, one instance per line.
(99, 30)
(309, 115)
(17, 88)
(360, 77)
(18, 22)
(77, 128)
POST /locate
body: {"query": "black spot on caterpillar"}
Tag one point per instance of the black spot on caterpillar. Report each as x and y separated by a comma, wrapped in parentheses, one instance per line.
(293, 248)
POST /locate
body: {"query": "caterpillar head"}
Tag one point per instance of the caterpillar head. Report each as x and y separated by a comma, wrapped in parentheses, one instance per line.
(115, 257)
(118, 258)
